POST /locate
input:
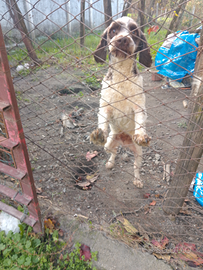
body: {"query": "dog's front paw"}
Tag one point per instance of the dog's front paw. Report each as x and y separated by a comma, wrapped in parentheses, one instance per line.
(109, 165)
(98, 137)
(141, 139)
(138, 183)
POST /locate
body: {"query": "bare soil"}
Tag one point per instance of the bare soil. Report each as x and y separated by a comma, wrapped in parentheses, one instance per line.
(59, 162)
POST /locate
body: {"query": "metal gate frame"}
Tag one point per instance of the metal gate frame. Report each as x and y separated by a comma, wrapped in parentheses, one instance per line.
(15, 142)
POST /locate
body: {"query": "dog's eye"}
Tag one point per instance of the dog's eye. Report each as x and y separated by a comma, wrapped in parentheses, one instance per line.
(133, 32)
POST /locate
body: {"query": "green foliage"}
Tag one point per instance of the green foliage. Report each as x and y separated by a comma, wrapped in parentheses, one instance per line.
(92, 81)
(155, 41)
(25, 250)
(166, 22)
(182, 125)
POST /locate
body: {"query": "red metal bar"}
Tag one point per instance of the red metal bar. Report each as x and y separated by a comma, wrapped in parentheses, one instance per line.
(23, 172)
(18, 174)
(15, 195)
(17, 214)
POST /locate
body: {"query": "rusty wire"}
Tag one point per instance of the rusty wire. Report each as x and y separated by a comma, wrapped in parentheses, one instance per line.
(59, 163)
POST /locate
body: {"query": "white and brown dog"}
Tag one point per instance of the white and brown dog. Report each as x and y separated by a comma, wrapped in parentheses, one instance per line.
(122, 102)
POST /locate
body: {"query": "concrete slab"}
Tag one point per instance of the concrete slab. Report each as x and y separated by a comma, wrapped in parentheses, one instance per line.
(114, 255)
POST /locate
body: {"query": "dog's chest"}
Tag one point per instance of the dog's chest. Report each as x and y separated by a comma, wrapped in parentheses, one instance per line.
(122, 96)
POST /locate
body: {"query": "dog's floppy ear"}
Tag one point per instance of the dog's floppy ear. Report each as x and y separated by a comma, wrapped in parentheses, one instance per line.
(101, 51)
(145, 57)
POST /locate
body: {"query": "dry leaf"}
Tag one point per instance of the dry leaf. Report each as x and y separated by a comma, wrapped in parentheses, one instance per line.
(127, 225)
(90, 180)
(152, 203)
(48, 224)
(165, 257)
(187, 252)
(39, 190)
(146, 195)
(185, 212)
(90, 155)
(85, 251)
(161, 245)
(154, 28)
(146, 209)
(61, 233)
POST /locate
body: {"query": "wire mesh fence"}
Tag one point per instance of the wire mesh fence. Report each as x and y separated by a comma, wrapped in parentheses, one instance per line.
(50, 46)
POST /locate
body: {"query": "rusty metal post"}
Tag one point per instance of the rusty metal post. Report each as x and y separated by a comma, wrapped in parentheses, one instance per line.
(15, 141)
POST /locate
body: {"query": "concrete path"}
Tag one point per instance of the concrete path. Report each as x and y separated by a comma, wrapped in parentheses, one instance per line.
(114, 255)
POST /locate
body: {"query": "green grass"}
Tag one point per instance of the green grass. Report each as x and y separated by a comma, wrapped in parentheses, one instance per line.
(67, 52)
(155, 41)
(64, 49)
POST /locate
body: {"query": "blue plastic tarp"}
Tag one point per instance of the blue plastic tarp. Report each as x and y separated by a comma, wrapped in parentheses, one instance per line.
(198, 188)
(182, 50)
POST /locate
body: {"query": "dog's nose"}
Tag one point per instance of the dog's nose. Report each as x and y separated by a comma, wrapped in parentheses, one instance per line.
(124, 41)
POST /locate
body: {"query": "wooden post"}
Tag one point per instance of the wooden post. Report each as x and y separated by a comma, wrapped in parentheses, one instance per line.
(192, 149)
(181, 4)
(107, 12)
(82, 23)
(126, 6)
(19, 23)
(142, 15)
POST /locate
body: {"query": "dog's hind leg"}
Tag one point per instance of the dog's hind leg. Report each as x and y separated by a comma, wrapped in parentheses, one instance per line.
(137, 150)
(111, 147)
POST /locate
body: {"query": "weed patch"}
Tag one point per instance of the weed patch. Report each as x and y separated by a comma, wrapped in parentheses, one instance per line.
(26, 250)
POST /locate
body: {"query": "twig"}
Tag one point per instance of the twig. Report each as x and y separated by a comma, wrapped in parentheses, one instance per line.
(126, 213)
(162, 24)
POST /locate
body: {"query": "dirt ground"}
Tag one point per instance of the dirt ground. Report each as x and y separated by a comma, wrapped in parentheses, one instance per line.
(59, 162)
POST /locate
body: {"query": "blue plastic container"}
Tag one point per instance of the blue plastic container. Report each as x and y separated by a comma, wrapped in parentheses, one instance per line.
(198, 188)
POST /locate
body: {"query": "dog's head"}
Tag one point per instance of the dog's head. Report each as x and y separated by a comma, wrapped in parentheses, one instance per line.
(123, 38)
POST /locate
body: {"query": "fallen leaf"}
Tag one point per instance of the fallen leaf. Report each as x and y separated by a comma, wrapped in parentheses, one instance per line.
(39, 190)
(157, 195)
(146, 195)
(127, 225)
(165, 257)
(61, 233)
(185, 212)
(90, 155)
(154, 28)
(152, 203)
(48, 224)
(146, 209)
(90, 180)
(85, 251)
(187, 252)
(164, 241)
(161, 245)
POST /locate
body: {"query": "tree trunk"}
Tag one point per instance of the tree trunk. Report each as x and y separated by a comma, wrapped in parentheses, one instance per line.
(192, 148)
(19, 23)
(142, 15)
(82, 23)
(107, 12)
(149, 10)
(126, 6)
(175, 18)
(180, 17)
